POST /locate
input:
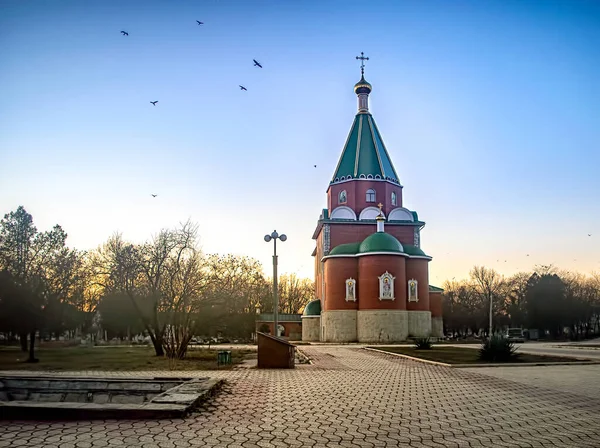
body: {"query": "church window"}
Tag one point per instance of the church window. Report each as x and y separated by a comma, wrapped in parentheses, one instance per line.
(394, 199)
(412, 290)
(386, 286)
(370, 195)
(350, 290)
(342, 197)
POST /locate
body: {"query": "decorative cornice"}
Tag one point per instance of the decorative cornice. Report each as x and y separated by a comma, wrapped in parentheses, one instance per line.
(365, 254)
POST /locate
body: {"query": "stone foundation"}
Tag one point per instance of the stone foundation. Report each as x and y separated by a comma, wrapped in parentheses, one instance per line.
(382, 325)
(437, 327)
(419, 324)
(311, 328)
(338, 326)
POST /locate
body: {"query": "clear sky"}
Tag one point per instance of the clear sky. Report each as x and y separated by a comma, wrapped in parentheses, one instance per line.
(490, 111)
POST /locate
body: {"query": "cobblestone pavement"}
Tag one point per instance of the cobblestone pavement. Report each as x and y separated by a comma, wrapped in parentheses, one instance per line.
(348, 397)
(581, 380)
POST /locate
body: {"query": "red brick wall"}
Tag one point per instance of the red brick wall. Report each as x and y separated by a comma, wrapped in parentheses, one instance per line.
(352, 233)
(337, 270)
(435, 304)
(356, 194)
(419, 270)
(370, 269)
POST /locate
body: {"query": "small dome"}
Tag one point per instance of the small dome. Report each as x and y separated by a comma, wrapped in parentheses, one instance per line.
(313, 308)
(345, 249)
(362, 86)
(413, 250)
(380, 242)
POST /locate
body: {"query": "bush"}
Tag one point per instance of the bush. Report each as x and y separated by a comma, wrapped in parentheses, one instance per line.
(423, 343)
(497, 349)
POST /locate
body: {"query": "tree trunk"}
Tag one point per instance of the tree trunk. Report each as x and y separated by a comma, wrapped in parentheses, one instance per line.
(157, 343)
(23, 340)
(32, 347)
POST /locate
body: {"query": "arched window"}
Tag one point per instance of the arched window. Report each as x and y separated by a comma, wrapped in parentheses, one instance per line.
(394, 199)
(370, 195)
(342, 197)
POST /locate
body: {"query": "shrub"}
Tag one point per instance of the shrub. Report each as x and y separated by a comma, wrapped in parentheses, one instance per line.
(423, 343)
(497, 349)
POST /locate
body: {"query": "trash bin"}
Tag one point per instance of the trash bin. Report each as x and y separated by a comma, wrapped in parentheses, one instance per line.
(224, 357)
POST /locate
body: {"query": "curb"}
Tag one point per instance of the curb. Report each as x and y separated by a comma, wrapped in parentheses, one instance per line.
(464, 366)
(412, 358)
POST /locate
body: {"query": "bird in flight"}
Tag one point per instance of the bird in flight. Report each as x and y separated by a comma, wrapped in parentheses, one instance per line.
(200, 23)
(527, 254)
(589, 234)
(154, 195)
(124, 33)
(256, 63)
(153, 103)
(315, 166)
(243, 88)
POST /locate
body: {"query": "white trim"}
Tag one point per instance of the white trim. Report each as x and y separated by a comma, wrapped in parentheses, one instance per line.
(364, 254)
(342, 209)
(358, 139)
(333, 182)
(416, 299)
(366, 210)
(390, 278)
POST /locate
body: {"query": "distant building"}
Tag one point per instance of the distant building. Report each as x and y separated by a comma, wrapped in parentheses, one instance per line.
(371, 275)
(290, 325)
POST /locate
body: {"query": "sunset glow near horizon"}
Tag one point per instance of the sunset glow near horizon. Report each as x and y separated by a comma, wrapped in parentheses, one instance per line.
(489, 112)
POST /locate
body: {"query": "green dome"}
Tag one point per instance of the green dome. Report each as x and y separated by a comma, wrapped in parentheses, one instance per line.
(313, 308)
(345, 249)
(380, 242)
(412, 250)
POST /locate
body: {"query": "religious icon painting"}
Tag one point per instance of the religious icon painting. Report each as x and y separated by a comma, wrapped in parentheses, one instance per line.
(412, 290)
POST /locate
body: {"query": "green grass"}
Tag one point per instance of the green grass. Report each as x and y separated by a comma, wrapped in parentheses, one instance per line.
(462, 355)
(112, 358)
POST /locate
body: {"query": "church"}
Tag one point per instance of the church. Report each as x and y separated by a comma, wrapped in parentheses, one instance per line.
(371, 275)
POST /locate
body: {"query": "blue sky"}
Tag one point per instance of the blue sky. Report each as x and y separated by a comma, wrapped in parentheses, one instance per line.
(490, 111)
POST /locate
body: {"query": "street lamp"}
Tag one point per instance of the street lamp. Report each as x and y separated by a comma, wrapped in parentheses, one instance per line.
(274, 236)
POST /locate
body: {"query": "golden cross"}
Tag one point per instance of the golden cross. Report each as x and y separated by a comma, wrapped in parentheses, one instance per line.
(380, 205)
(362, 59)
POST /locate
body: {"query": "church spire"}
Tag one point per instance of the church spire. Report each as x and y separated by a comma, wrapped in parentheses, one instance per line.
(362, 88)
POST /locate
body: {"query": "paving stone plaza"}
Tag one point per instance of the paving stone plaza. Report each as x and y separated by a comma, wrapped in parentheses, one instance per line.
(354, 397)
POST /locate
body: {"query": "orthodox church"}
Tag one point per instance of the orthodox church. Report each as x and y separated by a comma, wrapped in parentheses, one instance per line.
(371, 275)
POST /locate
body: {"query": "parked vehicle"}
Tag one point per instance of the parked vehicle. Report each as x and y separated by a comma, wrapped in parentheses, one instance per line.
(515, 335)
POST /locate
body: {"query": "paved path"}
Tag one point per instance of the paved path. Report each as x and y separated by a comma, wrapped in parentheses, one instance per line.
(349, 397)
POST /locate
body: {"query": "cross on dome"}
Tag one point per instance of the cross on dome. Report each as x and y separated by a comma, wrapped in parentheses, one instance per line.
(362, 59)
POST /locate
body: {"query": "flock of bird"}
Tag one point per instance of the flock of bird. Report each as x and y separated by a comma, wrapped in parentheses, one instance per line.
(256, 64)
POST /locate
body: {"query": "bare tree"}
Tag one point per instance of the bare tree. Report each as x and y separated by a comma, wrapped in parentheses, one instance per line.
(294, 293)
(488, 284)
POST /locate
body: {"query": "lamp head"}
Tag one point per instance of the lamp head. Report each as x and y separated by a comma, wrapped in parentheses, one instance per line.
(267, 238)
(274, 235)
(282, 237)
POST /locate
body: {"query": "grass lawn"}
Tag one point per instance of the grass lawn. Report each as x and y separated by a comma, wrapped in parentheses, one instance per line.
(463, 355)
(112, 358)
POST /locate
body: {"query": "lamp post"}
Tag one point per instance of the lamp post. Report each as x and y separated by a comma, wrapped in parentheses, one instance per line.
(274, 236)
